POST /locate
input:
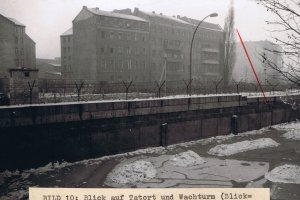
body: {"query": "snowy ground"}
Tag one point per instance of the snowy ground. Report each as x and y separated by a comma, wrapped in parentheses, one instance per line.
(285, 174)
(293, 130)
(247, 145)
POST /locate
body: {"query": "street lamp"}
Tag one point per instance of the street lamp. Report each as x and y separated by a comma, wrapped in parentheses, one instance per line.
(191, 48)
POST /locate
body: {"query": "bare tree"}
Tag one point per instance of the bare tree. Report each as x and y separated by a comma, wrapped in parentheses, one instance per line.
(286, 33)
(229, 54)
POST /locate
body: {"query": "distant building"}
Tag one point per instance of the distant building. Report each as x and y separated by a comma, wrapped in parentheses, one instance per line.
(256, 49)
(66, 42)
(49, 68)
(123, 45)
(17, 49)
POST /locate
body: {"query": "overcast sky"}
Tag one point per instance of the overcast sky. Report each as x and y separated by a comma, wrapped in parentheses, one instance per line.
(46, 20)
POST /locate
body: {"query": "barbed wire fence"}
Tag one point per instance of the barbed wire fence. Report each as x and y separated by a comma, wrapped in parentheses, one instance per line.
(71, 90)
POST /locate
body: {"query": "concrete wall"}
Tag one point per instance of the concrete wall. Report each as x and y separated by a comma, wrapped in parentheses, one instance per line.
(35, 135)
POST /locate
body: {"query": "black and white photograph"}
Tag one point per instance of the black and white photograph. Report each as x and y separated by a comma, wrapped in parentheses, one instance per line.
(150, 94)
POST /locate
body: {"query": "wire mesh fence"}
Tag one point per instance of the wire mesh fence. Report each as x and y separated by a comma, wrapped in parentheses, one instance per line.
(62, 90)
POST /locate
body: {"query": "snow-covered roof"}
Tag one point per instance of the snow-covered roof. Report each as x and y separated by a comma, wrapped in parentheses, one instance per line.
(162, 16)
(16, 22)
(68, 32)
(96, 11)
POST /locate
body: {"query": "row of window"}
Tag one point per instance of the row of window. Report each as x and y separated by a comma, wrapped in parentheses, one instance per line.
(67, 57)
(19, 63)
(123, 36)
(120, 78)
(19, 29)
(209, 56)
(67, 48)
(184, 32)
(112, 65)
(175, 55)
(17, 40)
(120, 50)
(67, 39)
(121, 23)
(21, 51)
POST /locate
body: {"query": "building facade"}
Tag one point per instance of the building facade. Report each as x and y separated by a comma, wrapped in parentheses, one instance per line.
(17, 49)
(66, 42)
(256, 49)
(141, 46)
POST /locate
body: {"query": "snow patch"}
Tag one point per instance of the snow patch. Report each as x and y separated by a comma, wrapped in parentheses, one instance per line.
(247, 145)
(285, 174)
(186, 159)
(137, 171)
(292, 135)
(293, 130)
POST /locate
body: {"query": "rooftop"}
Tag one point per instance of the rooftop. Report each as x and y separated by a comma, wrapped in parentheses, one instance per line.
(96, 11)
(162, 16)
(16, 22)
(68, 32)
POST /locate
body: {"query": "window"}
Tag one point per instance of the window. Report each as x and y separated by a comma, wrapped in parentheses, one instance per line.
(120, 35)
(128, 64)
(65, 39)
(22, 63)
(102, 49)
(17, 62)
(103, 34)
(111, 50)
(69, 49)
(111, 35)
(69, 39)
(16, 39)
(65, 49)
(26, 74)
(69, 58)
(17, 51)
(135, 37)
(128, 50)
(143, 38)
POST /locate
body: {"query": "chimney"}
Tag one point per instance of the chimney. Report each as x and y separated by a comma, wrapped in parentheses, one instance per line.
(84, 7)
(160, 13)
(178, 16)
(153, 12)
(97, 8)
(135, 11)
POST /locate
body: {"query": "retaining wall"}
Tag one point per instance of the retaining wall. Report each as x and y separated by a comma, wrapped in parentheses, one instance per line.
(37, 134)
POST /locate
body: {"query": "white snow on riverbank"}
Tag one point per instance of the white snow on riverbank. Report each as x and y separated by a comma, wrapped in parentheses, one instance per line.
(292, 135)
(137, 171)
(186, 159)
(238, 147)
(285, 174)
(293, 130)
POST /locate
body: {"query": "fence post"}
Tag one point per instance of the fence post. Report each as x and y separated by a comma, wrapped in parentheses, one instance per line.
(30, 90)
(127, 87)
(79, 87)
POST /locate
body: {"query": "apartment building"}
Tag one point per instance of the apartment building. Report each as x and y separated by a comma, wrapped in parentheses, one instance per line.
(141, 46)
(17, 49)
